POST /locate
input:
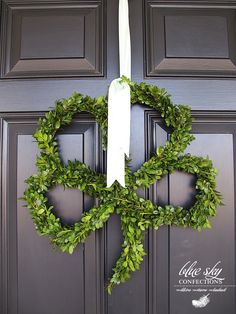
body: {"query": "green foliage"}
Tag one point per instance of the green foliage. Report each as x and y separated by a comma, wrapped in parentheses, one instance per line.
(137, 214)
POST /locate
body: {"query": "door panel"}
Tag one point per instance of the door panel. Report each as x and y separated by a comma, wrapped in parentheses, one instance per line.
(212, 245)
(52, 40)
(39, 279)
(190, 41)
(215, 138)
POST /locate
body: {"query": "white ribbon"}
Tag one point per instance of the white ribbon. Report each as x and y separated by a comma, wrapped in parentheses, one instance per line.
(119, 105)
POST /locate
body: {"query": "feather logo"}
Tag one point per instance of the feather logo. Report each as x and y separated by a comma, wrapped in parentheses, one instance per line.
(202, 302)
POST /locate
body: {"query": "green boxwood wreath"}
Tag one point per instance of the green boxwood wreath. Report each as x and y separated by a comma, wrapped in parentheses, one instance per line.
(137, 214)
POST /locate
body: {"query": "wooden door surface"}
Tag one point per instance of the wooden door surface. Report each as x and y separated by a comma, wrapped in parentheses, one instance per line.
(50, 49)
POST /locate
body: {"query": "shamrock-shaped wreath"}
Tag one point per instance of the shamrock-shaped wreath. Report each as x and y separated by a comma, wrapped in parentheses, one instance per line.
(137, 214)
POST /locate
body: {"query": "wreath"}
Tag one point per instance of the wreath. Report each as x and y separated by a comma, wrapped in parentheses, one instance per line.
(137, 214)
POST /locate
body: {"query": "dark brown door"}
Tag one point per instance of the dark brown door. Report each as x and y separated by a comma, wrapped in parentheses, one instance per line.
(50, 49)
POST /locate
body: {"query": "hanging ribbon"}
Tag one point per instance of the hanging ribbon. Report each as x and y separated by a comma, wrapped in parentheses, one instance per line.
(119, 105)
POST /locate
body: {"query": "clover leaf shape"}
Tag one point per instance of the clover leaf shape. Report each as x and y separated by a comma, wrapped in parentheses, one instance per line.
(137, 214)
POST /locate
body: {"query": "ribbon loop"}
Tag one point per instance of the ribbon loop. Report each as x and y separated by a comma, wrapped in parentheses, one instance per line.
(124, 39)
(119, 105)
